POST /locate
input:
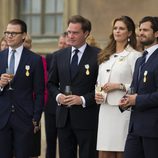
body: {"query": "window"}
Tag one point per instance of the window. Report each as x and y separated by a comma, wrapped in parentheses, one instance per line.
(43, 17)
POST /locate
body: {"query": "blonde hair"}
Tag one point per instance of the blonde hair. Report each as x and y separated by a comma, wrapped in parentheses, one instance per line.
(28, 42)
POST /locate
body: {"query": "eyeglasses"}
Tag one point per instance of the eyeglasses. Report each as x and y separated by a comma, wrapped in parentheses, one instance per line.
(13, 34)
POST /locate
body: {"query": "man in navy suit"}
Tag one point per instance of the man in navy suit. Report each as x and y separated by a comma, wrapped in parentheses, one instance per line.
(77, 114)
(142, 140)
(20, 107)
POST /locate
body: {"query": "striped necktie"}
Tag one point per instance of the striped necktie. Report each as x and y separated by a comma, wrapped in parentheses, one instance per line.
(12, 62)
(74, 64)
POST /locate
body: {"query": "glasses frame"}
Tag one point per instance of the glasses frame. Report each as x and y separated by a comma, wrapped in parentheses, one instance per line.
(13, 34)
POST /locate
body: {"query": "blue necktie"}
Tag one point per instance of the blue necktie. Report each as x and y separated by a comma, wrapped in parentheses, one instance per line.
(142, 63)
(12, 62)
(74, 64)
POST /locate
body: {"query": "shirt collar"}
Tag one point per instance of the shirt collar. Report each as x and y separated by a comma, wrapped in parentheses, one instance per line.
(18, 50)
(150, 50)
(81, 49)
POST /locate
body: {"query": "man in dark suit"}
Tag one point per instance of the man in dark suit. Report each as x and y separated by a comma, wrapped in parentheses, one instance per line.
(21, 106)
(77, 114)
(142, 140)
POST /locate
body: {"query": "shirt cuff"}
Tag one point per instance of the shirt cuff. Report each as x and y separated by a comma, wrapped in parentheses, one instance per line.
(1, 89)
(83, 102)
(57, 97)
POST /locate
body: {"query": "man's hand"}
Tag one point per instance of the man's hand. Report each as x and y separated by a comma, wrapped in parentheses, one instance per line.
(127, 101)
(37, 126)
(4, 80)
(71, 100)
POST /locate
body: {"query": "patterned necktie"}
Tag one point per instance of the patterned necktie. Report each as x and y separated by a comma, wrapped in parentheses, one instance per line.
(12, 62)
(142, 63)
(74, 64)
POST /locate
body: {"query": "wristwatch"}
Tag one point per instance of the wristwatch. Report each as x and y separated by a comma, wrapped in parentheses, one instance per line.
(122, 86)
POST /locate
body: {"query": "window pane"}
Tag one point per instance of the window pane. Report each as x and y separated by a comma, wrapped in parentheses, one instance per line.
(50, 6)
(59, 24)
(27, 20)
(36, 25)
(25, 6)
(36, 6)
(60, 6)
(49, 24)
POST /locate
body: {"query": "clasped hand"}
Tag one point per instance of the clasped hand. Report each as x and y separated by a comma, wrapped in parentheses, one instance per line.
(127, 101)
(69, 100)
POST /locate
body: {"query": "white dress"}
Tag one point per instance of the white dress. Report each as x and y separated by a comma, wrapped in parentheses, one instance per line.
(113, 125)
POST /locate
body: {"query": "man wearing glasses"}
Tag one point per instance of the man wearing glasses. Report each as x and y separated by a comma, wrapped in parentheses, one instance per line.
(20, 110)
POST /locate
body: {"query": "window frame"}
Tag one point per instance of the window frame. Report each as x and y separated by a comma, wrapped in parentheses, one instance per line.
(42, 16)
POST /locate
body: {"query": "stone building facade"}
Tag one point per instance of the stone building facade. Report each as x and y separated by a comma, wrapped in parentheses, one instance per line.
(100, 12)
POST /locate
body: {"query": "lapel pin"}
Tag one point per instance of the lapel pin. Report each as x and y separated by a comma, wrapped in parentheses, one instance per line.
(27, 68)
(87, 69)
(145, 76)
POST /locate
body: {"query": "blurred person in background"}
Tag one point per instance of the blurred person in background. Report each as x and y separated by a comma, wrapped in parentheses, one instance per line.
(116, 65)
(3, 43)
(91, 41)
(50, 109)
(62, 41)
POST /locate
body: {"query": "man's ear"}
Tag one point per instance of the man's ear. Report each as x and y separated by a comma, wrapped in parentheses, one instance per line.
(86, 34)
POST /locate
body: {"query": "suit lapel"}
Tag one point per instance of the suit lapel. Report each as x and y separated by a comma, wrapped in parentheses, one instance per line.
(145, 67)
(66, 63)
(22, 63)
(5, 61)
(84, 59)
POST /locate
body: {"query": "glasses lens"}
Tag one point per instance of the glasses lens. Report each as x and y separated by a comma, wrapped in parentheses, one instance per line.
(13, 34)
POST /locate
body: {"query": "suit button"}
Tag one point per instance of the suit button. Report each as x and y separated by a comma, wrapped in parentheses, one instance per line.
(13, 110)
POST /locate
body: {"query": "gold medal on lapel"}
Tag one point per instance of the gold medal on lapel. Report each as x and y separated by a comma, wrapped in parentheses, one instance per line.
(87, 72)
(87, 69)
(145, 76)
(27, 68)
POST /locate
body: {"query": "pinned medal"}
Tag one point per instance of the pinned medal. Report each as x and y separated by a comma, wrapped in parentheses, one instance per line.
(87, 69)
(27, 68)
(145, 76)
(121, 58)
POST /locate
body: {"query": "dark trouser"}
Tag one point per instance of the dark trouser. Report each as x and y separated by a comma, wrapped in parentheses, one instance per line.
(51, 135)
(16, 137)
(36, 149)
(70, 138)
(141, 147)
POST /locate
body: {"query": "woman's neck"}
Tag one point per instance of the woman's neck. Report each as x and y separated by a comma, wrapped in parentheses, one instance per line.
(120, 47)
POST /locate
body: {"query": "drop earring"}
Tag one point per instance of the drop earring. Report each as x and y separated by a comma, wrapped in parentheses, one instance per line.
(128, 40)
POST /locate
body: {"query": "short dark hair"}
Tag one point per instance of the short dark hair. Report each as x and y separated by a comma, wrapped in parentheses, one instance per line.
(19, 22)
(85, 23)
(152, 20)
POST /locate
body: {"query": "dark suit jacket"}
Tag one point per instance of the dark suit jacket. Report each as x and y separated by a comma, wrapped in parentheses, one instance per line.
(144, 118)
(27, 105)
(51, 103)
(82, 85)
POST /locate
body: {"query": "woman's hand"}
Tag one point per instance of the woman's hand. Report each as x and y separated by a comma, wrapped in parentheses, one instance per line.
(111, 86)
